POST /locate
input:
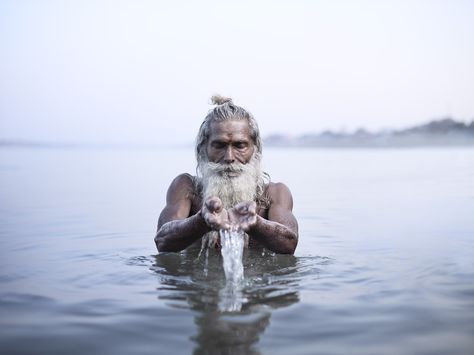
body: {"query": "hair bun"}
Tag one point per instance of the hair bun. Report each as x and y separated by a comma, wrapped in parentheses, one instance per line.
(220, 100)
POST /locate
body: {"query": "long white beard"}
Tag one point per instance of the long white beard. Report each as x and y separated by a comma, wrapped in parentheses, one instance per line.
(232, 183)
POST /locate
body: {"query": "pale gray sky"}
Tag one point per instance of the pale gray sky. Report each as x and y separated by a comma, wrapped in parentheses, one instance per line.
(143, 71)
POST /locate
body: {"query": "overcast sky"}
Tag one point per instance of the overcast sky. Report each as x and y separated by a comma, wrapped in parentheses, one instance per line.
(143, 71)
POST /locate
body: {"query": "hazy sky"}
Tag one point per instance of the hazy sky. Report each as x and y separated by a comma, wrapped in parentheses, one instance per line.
(143, 71)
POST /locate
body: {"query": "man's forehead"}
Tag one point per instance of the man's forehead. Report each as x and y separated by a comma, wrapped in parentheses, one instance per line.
(230, 128)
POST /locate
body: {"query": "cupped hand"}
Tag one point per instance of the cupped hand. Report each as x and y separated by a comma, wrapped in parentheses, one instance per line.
(214, 214)
(243, 215)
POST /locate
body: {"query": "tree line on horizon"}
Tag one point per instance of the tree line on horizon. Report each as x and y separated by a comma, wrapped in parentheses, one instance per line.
(441, 132)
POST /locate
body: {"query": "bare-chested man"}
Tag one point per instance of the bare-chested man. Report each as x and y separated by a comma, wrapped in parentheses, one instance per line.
(229, 191)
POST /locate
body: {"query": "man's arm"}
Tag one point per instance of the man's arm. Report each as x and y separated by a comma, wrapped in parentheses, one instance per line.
(280, 232)
(176, 229)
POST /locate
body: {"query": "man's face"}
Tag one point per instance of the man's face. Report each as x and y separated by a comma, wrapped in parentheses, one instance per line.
(230, 142)
(232, 171)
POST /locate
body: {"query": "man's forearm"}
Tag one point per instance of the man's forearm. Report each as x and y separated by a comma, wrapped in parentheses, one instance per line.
(179, 234)
(275, 236)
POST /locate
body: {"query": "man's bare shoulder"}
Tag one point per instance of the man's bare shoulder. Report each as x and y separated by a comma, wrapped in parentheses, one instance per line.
(183, 184)
(184, 179)
(278, 192)
(277, 188)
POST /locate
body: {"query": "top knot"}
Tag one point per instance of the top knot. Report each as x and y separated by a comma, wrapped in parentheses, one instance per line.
(220, 100)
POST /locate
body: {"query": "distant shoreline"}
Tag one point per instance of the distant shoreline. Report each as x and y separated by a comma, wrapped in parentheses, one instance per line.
(439, 133)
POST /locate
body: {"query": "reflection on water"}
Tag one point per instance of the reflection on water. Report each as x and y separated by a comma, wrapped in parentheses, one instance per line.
(76, 275)
(188, 281)
(231, 297)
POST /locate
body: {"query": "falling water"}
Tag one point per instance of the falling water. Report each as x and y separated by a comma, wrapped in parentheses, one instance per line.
(232, 248)
(231, 296)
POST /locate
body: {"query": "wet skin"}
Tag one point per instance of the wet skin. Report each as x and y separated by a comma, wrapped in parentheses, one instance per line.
(186, 219)
(230, 141)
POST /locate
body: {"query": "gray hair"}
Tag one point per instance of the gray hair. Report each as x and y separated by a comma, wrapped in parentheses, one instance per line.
(225, 110)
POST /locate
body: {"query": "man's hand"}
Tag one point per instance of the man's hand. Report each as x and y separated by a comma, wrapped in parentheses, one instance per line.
(243, 215)
(214, 214)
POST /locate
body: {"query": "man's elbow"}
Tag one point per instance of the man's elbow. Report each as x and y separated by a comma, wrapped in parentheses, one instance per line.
(163, 247)
(161, 243)
(291, 244)
(288, 246)
(158, 243)
(164, 244)
(288, 249)
(283, 249)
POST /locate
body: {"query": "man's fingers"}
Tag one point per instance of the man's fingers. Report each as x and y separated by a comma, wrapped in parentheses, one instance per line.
(246, 207)
(252, 208)
(242, 216)
(214, 204)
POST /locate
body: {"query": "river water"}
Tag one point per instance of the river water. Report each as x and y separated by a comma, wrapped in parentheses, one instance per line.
(384, 265)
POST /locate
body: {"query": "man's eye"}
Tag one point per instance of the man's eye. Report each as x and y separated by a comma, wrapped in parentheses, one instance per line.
(240, 145)
(218, 145)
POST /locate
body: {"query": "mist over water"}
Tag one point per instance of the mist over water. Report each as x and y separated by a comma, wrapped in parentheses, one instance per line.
(384, 264)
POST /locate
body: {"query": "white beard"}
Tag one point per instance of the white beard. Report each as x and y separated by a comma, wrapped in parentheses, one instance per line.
(232, 183)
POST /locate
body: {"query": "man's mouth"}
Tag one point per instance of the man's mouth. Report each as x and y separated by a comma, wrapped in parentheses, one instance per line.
(230, 173)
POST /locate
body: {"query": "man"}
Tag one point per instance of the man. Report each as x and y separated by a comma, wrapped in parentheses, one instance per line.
(229, 191)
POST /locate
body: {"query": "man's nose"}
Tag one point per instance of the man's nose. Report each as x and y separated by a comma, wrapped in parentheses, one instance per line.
(229, 156)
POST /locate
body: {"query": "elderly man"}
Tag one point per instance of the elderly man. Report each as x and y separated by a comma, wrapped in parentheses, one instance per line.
(229, 191)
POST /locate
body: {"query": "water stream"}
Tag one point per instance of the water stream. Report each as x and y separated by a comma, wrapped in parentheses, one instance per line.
(232, 249)
(384, 264)
(231, 296)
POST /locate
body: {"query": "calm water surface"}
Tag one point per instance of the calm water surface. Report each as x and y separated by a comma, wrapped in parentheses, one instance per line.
(385, 262)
